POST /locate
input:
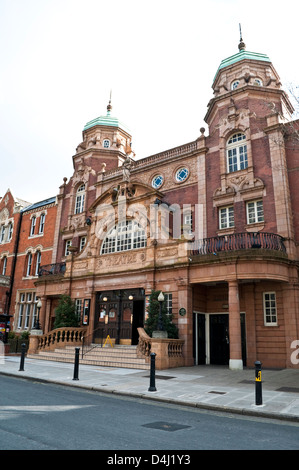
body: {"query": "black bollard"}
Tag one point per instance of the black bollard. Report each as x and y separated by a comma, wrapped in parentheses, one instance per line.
(23, 351)
(76, 365)
(152, 387)
(258, 383)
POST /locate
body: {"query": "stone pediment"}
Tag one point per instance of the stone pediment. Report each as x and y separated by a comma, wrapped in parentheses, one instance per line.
(237, 185)
(132, 191)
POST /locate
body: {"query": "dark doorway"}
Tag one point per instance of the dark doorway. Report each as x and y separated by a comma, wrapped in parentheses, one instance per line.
(219, 339)
(138, 319)
(199, 338)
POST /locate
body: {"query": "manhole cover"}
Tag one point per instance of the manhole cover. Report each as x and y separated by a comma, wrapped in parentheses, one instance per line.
(164, 426)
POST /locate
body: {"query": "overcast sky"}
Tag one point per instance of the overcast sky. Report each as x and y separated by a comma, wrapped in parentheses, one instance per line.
(61, 58)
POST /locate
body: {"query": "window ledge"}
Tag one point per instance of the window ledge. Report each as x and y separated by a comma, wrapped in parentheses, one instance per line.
(255, 227)
(225, 231)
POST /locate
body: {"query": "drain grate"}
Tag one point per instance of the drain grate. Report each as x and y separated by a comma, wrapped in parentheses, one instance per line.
(164, 426)
(217, 393)
(162, 377)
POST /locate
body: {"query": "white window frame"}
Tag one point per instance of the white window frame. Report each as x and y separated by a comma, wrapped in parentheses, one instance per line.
(168, 301)
(125, 236)
(82, 243)
(80, 197)
(34, 311)
(9, 234)
(21, 309)
(106, 143)
(226, 217)
(42, 223)
(29, 263)
(28, 310)
(32, 227)
(270, 308)
(79, 305)
(4, 265)
(68, 243)
(255, 211)
(236, 153)
(2, 233)
(257, 82)
(38, 257)
(235, 84)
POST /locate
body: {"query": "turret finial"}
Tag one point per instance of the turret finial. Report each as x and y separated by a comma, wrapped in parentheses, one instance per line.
(242, 45)
(109, 107)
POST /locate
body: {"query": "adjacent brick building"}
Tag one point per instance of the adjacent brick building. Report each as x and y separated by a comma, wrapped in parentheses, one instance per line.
(27, 232)
(214, 224)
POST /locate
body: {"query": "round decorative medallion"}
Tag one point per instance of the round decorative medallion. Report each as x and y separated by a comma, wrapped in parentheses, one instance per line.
(181, 174)
(157, 181)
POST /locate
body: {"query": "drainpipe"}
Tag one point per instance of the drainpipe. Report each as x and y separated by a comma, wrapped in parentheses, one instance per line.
(16, 247)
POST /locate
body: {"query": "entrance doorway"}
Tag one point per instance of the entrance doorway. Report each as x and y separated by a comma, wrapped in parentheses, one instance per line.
(138, 319)
(219, 339)
(119, 314)
(211, 338)
(199, 343)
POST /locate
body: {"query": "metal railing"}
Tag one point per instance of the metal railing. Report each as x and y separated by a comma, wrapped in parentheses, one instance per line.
(238, 241)
(87, 341)
(51, 269)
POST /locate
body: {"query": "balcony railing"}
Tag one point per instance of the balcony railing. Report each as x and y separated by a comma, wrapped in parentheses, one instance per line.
(238, 241)
(51, 269)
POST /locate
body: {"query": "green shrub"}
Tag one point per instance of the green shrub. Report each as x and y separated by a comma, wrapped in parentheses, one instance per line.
(151, 323)
(65, 313)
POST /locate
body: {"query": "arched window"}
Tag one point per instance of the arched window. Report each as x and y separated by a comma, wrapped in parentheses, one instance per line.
(42, 223)
(80, 196)
(4, 265)
(38, 257)
(127, 235)
(9, 234)
(235, 84)
(32, 227)
(236, 151)
(28, 264)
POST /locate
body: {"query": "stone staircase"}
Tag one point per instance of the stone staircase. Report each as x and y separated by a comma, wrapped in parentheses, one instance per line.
(119, 356)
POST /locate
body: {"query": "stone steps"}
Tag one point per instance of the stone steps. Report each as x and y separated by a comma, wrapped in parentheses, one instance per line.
(118, 356)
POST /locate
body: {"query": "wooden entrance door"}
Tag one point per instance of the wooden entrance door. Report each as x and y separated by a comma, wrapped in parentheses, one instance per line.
(118, 314)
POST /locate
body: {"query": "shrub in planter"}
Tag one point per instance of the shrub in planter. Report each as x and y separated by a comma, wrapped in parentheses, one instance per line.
(151, 323)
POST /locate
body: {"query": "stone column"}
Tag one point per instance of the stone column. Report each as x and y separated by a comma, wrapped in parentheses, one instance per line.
(185, 322)
(42, 312)
(235, 359)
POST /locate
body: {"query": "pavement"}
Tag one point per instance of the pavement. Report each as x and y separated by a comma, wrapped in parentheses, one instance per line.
(208, 387)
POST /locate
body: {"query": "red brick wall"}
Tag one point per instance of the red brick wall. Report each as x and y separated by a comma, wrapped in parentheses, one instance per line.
(45, 241)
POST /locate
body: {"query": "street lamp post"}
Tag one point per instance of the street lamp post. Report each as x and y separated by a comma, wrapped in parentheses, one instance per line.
(160, 319)
(37, 323)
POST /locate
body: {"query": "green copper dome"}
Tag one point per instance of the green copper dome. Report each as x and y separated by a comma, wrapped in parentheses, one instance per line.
(107, 120)
(241, 55)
